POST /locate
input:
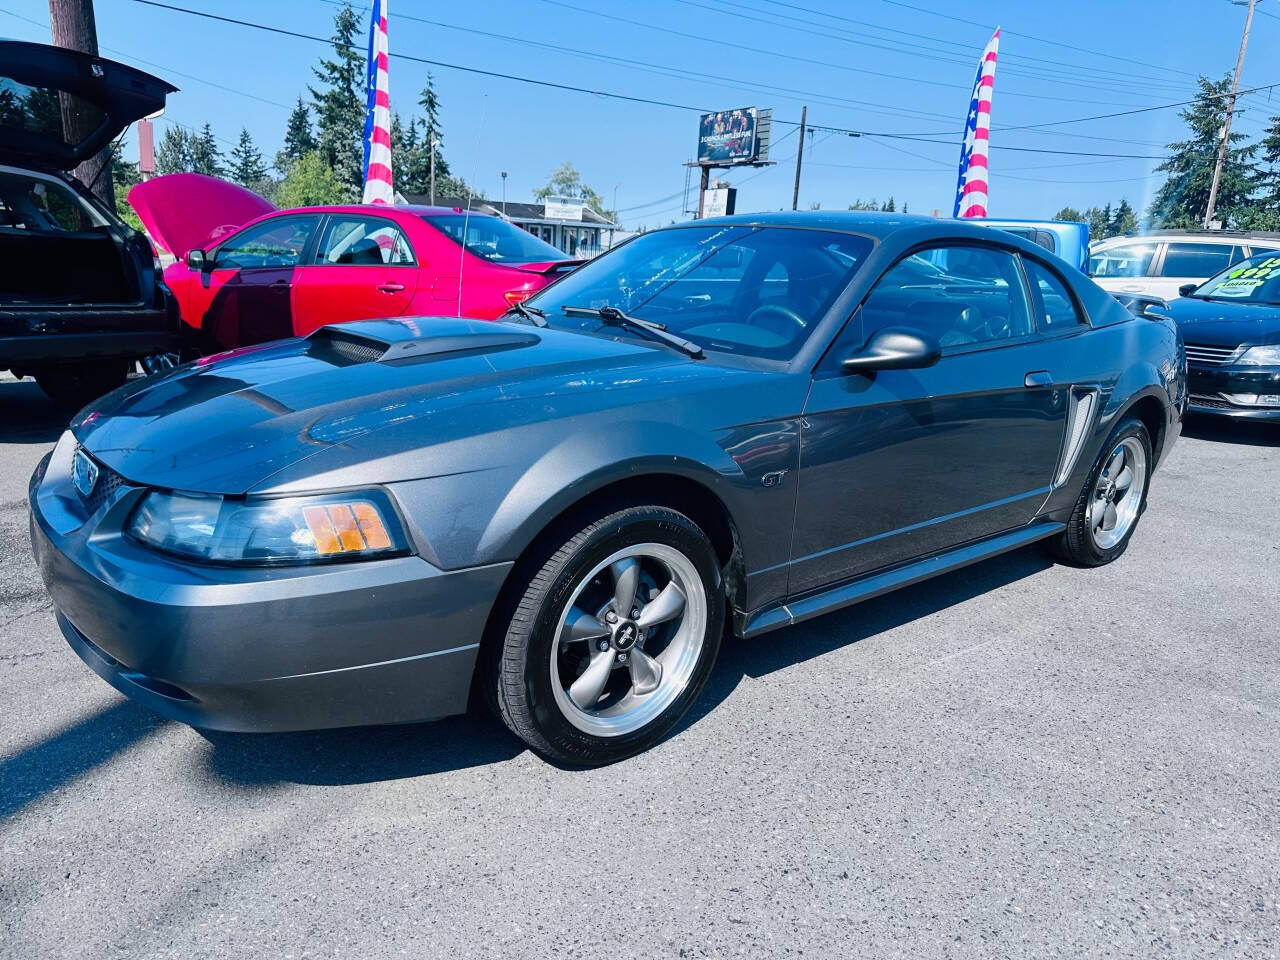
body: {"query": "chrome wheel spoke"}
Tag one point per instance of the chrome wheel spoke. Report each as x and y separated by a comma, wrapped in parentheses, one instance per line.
(586, 690)
(646, 672)
(580, 625)
(666, 605)
(1116, 464)
(626, 581)
(1109, 517)
(1097, 513)
(1124, 480)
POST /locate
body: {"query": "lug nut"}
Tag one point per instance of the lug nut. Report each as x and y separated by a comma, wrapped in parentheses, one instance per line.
(604, 645)
(611, 617)
(622, 658)
(635, 612)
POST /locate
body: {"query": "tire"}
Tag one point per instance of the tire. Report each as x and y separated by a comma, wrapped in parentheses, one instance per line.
(73, 385)
(651, 552)
(1087, 543)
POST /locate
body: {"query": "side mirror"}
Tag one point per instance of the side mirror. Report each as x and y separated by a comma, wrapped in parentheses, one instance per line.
(1187, 289)
(196, 260)
(894, 348)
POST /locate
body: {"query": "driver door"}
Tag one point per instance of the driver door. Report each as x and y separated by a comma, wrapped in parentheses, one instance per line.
(252, 282)
(897, 464)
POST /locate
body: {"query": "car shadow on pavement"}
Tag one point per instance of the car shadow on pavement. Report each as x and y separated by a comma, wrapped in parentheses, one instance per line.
(1253, 433)
(45, 767)
(765, 654)
(27, 415)
(360, 754)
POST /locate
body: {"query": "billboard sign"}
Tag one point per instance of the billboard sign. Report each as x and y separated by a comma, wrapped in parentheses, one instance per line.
(727, 137)
(562, 208)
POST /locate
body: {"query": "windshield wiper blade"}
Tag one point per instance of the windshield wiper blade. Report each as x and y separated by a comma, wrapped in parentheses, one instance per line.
(614, 317)
(532, 314)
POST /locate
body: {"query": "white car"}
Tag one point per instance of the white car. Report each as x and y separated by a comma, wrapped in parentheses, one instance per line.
(1159, 263)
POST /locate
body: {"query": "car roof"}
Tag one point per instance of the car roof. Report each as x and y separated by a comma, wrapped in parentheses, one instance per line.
(412, 209)
(1225, 239)
(871, 223)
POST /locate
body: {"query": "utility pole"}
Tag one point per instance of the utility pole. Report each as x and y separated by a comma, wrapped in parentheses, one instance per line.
(795, 195)
(72, 25)
(434, 141)
(1226, 126)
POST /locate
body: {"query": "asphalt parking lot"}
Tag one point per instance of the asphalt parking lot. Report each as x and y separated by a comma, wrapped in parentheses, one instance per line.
(1018, 760)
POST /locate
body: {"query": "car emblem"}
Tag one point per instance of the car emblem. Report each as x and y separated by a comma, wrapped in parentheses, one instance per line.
(84, 473)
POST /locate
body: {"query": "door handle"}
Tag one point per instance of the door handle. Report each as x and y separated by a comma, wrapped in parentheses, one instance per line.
(280, 286)
(1037, 379)
(391, 287)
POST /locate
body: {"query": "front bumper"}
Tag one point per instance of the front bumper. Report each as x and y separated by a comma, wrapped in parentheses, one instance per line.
(265, 649)
(1210, 387)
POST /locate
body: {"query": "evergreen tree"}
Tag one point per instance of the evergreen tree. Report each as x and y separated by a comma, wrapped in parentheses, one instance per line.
(298, 138)
(1099, 222)
(339, 104)
(889, 206)
(247, 166)
(205, 156)
(1070, 214)
(1268, 182)
(1184, 198)
(175, 153)
(432, 130)
(1124, 220)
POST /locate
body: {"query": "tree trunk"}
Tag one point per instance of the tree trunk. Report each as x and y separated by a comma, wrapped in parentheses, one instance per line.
(73, 27)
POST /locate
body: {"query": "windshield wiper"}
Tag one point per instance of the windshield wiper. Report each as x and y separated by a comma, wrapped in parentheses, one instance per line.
(532, 314)
(614, 317)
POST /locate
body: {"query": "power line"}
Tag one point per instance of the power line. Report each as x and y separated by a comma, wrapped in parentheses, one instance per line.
(1030, 36)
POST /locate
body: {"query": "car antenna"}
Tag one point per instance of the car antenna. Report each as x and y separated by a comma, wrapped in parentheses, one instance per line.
(471, 192)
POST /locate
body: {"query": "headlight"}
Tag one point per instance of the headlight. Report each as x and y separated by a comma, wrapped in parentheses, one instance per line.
(263, 531)
(1261, 356)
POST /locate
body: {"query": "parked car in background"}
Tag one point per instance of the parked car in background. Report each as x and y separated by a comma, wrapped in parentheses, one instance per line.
(748, 421)
(81, 297)
(1231, 326)
(1161, 262)
(1068, 239)
(248, 273)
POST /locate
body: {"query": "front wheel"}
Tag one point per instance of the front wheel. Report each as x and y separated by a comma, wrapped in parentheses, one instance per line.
(1113, 499)
(613, 638)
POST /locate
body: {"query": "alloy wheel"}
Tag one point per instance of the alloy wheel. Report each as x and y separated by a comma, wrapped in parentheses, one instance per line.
(629, 639)
(1117, 496)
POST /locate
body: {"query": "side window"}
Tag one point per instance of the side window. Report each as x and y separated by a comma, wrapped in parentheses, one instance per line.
(1055, 309)
(1127, 260)
(960, 295)
(275, 243)
(363, 241)
(1196, 259)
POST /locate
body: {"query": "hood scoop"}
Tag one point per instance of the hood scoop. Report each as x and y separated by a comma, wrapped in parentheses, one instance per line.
(344, 346)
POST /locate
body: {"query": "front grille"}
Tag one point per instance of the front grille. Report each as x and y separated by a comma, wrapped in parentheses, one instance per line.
(1217, 403)
(1209, 356)
(104, 489)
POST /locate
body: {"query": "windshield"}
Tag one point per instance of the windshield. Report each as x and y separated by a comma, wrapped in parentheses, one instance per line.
(493, 239)
(745, 290)
(46, 113)
(1256, 280)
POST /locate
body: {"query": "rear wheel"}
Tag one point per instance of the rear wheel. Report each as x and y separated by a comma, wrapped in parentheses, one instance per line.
(73, 385)
(613, 638)
(1113, 500)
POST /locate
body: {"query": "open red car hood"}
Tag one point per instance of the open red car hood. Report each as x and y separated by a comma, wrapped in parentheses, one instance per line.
(185, 211)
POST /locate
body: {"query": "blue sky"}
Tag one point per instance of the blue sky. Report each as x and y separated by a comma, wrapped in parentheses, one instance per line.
(905, 67)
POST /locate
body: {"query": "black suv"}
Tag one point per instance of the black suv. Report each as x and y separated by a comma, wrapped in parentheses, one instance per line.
(81, 294)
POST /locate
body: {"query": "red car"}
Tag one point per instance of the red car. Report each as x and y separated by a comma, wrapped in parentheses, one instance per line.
(248, 273)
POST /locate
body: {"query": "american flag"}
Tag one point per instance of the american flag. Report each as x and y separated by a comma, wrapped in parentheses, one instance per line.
(377, 114)
(973, 186)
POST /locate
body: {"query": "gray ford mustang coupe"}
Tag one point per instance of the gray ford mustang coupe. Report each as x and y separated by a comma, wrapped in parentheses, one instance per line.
(733, 424)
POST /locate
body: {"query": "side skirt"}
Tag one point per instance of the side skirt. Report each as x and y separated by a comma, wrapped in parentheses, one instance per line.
(846, 594)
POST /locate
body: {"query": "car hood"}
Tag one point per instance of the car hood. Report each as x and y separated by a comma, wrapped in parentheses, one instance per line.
(1215, 323)
(229, 423)
(189, 211)
(60, 107)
